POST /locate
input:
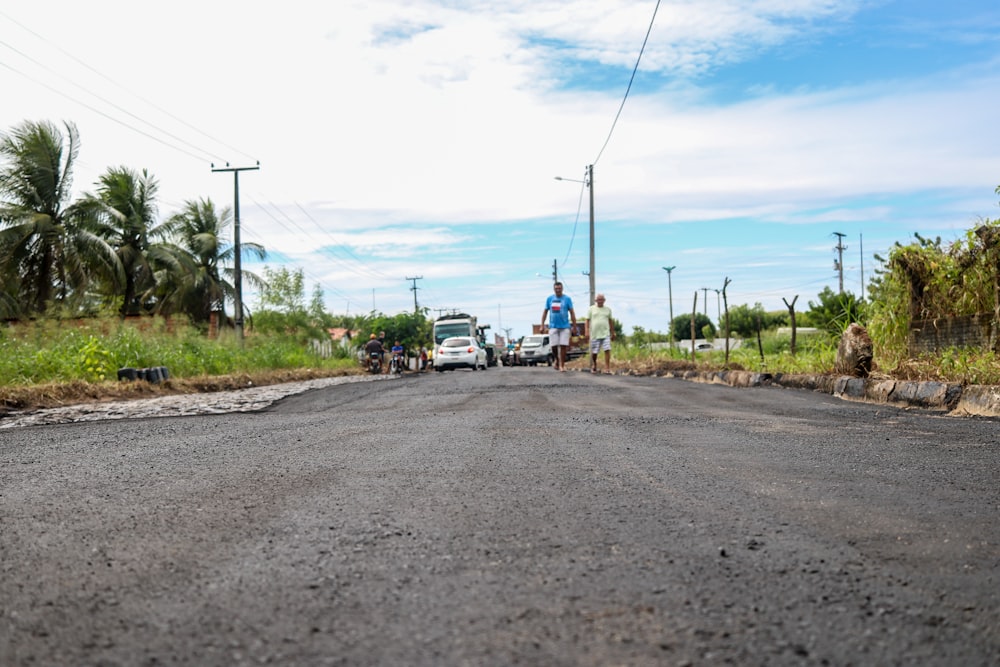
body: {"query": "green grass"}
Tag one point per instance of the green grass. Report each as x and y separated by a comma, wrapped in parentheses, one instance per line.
(53, 351)
(816, 355)
(92, 351)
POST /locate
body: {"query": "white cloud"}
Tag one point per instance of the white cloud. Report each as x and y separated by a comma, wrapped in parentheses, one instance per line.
(384, 126)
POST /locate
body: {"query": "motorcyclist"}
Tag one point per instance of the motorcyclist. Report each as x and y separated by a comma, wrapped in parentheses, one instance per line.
(374, 345)
(397, 354)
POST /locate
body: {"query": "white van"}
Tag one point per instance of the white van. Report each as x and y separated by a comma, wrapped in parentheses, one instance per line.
(535, 350)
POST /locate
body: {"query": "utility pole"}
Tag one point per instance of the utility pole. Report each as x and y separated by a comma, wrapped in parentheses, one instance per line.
(237, 267)
(670, 287)
(590, 186)
(861, 245)
(718, 305)
(588, 182)
(555, 271)
(704, 291)
(840, 248)
(414, 290)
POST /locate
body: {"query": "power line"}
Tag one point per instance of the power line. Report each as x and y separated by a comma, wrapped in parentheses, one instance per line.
(200, 158)
(117, 85)
(614, 124)
(631, 79)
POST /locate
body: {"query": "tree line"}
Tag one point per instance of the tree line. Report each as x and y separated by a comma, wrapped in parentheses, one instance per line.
(106, 249)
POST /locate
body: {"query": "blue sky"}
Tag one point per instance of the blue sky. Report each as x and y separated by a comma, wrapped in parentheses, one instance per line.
(419, 138)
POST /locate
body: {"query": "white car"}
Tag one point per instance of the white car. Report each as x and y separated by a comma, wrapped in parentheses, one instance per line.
(459, 352)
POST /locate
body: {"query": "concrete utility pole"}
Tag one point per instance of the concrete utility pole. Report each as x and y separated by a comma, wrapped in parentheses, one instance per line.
(840, 248)
(588, 182)
(590, 186)
(704, 291)
(670, 289)
(237, 252)
(414, 290)
(861, 245)
(555, 271)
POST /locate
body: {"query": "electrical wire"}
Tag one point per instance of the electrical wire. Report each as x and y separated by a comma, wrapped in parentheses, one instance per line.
(579, 207)
(614, 123)
(631, 79)
(119, 86)
(200, 158)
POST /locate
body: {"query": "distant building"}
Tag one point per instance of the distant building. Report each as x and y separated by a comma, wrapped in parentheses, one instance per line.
(343, 336)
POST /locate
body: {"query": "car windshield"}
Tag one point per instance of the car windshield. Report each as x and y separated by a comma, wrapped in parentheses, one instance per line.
(533, 341)
(457, 342)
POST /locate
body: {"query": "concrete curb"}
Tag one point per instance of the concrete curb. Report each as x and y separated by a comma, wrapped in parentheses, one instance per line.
(979, 400)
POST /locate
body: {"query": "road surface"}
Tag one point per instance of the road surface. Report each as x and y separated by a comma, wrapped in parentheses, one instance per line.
(512, 516)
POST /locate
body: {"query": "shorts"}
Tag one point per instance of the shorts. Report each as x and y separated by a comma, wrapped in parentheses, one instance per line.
(598, 344)
(558, 336)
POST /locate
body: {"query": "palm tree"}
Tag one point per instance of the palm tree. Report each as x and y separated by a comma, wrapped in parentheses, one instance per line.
(46, 241)
(126, 205)
(203, 286)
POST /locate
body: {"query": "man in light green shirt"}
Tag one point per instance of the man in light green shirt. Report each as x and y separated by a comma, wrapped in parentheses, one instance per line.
(601, 333)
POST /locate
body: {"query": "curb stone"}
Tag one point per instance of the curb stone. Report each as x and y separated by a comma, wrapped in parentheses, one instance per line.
(953, 398)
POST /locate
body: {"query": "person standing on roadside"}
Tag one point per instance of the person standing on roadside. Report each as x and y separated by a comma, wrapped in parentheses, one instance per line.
(601, 332)
(563, 317)
(381, 341)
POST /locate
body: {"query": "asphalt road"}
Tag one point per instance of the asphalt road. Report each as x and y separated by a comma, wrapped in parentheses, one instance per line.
(513, 516)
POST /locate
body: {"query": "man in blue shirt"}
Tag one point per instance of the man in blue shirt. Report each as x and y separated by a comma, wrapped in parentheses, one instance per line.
(561, 307)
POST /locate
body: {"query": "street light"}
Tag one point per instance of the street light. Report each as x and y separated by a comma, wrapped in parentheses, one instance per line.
(670, 287)
(589, 182)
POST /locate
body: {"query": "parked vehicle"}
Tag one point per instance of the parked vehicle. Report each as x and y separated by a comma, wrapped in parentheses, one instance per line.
(462, 324)
(459, 352)
(536, 350)
(579, 344)
(455, 324)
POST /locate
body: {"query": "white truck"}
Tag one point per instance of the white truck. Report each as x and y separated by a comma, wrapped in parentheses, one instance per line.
(456, 324)
(535, 349)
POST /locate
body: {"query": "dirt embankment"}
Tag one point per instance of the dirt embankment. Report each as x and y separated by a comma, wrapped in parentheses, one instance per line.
(58, 394)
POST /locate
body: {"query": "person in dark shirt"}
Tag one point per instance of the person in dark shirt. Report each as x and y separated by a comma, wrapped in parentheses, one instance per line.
(373, 345)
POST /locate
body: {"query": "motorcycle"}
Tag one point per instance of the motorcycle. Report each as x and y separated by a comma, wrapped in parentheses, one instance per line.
(374, 363)
(396, 364)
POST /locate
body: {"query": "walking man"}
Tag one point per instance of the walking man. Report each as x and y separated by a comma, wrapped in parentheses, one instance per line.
(561, 307)
(601, 333)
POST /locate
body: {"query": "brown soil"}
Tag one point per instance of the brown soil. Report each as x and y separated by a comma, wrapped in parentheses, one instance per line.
(54, 395)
